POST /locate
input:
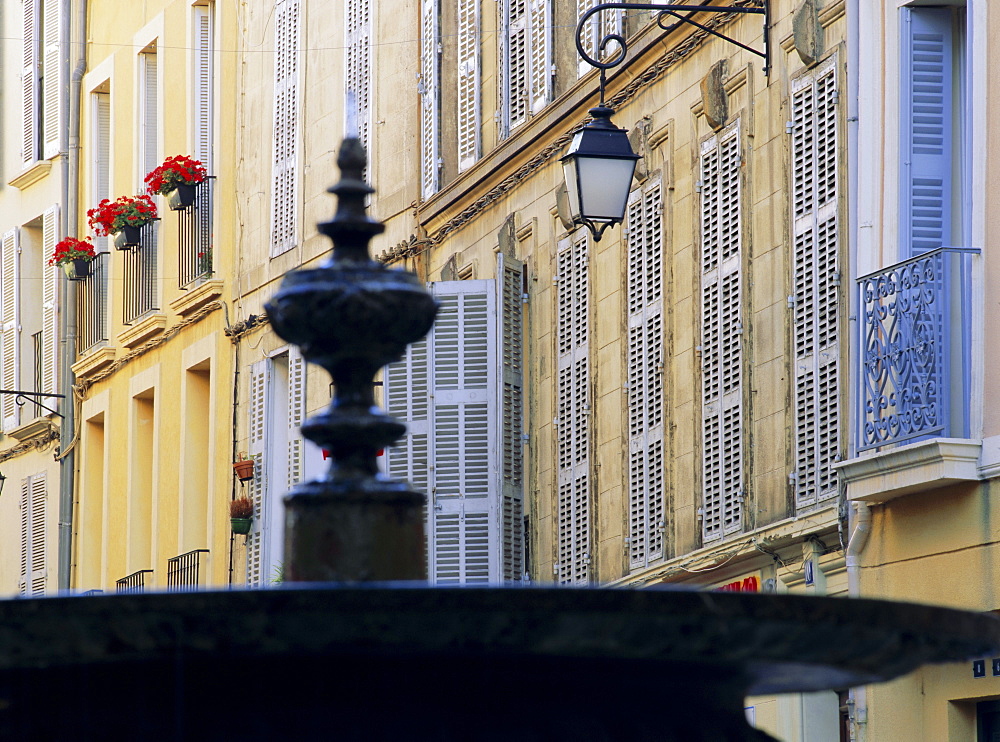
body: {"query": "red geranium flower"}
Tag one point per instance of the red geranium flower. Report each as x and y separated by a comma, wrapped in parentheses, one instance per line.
(109, 217)
(175, 171)
(72, 249)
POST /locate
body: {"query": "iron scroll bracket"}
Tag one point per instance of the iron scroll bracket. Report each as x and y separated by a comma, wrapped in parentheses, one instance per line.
(683, 14)
(22, 397)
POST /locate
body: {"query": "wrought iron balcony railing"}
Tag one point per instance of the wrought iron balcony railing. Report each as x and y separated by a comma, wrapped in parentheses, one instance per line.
(195, 260)
(140, 275)
(182, 571)
(133, 583)
(915, 348)
(92, 304)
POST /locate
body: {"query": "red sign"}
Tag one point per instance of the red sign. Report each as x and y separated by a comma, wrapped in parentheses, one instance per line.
(747, 585)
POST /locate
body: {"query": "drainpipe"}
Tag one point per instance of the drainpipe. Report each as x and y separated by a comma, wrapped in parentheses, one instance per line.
(858, 699)
(67, 317)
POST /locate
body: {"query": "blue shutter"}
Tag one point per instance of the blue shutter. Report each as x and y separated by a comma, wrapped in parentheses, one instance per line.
(926, 136)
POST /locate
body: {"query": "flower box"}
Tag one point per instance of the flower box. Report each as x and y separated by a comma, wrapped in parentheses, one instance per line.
(128, 237)
(76, 269)
(181, 198)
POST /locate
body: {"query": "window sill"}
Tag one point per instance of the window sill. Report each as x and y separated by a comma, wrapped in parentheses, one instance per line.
(32, 175)
(917, 467)
(94, 362)
(197, 297)
(143, 331)
(37, 427)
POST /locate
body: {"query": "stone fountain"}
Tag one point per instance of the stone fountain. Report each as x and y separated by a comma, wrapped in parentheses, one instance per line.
(356, 647)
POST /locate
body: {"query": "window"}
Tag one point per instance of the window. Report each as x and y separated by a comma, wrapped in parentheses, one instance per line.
(358, 65)
(933, 139)
(573, 421)
(644, 238)
(463, 440)
(204, 82)
(286, 125)
(526, 60)
(33, 502)
(468, 83)
(149, 156)
(28, 314)
(42, 78)
(817, 284)
(277, 406)
(721, 335)
(600, 25)
(141, 264)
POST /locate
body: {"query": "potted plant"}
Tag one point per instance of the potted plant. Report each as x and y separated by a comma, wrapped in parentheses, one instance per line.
(74, 256)
(243, 468)
(241, 514)
(123, 217)
(176, 179)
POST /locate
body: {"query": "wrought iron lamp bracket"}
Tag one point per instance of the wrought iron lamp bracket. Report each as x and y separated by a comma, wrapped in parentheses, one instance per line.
(674, 11)
(23, 397)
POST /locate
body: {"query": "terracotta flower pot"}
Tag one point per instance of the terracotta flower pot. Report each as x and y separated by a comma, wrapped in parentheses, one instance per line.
(244, 470)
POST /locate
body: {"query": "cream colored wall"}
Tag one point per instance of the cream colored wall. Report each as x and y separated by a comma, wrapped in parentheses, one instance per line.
(154, 476)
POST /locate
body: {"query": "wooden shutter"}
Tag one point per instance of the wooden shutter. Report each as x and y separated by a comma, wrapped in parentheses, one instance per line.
(457, 447)
(430, 115)
(29, 82)
(645, 375)
(257, 442)
(53, 78)
(203, 85)
(926, 138)
(540, 59)
(468, 83)
(515, 64)
(573, 410)
(32, 506)
(286, 116)
(296, 412)
(721, 330)
(464, 521)
(511, 405)
(10, 343)
(148, 140)
(359, 61)
(50, 298)
(101, 162)
(817, 280)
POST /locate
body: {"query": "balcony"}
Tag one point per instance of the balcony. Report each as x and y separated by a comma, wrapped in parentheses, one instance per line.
(140, 276)
(914, 366)
(92, 305)
(195, 261)
(183, 571)
(133, 583)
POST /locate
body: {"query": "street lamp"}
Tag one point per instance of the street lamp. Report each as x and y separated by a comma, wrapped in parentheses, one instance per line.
(600, 163)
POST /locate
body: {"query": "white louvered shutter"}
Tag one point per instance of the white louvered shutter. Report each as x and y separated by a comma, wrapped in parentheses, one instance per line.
(926, 137)
(259, 377)
(573, 410)
(516, 57)
(540, 54)
(10, 344)
(149, 118)
(430, 114)
(817, 278)
(203, 85)
(101, 162)
(296, 413)
(468, 83)
(722, 330)
(645, 375)
(406, 390)
(286, 122)
(511, 405)
(53, 77)
(32, 507)
(50, 306)
(464, 522)
(29, 82)
(359, 62)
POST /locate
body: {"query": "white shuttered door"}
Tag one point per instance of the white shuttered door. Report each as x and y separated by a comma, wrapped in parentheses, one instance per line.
(430, 115)
(53, 77)
(33, 496)
(50, 298)
(203, 84)
(30, 90)
(10, 289)
(573, 411)
(722, 331)
(645, 375)
(468, 83)
(817, 279)
(511, 333)
(286, 124)
(259, 375)
(359, 62)
(526, 60)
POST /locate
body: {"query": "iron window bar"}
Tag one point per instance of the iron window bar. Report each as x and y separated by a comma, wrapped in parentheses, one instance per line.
(140, 275)
(133, 583)
(92, 304)
(182, 570)
(23, 397)
(195, 256)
